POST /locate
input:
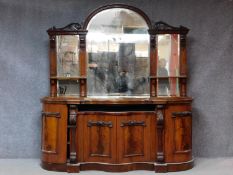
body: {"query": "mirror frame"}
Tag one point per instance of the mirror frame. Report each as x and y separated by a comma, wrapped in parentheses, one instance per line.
(155, 28)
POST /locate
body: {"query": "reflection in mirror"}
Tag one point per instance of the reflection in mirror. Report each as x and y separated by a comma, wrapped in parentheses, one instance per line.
(68, 88)
(168, 54)
(67, 55)
(118, 54)
(168, 64)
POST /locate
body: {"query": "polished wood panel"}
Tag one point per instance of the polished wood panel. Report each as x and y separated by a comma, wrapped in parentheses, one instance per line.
(133, 135)
(178, 135)
(117, 167)
(100, 138)
(54, 124)
(50, 132)
(182, 134)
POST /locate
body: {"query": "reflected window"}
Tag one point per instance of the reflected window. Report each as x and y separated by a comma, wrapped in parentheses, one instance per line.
(118, 54)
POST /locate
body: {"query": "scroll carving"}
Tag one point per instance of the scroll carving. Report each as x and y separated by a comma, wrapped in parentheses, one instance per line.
(160, 134)
(70, 27)
(163, 27)
(72, 130)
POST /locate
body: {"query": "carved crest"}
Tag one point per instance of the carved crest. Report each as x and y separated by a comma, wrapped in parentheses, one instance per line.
(161, 26)
(70, 27)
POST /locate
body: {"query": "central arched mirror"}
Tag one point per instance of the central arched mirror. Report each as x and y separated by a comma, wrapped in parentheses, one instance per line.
(117, 54)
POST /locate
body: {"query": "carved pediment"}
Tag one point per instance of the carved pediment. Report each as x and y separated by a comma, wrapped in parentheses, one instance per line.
(70, 27)
(162, 26)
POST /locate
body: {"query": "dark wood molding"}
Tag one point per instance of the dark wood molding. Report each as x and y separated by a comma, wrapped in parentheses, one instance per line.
(172, 167)
(117, 167)
(117, 5)
(158, 168)
(70, 29)
(151, 100)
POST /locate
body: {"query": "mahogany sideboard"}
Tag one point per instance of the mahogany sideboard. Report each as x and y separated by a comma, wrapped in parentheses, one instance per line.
(118, 95)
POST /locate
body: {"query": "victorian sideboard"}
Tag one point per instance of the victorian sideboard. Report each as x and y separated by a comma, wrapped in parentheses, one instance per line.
(118, 98)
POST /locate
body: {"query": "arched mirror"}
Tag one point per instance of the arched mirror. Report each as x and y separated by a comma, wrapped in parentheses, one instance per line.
(118, 54)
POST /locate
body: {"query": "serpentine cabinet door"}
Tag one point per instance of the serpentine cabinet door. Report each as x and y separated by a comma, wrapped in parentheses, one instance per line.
(99, 137)
(136, 137)
(117, 137)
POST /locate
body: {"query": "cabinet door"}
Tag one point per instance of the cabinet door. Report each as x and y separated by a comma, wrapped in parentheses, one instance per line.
(54, 133)
(178, 133)
(99, 133)
(134, 136)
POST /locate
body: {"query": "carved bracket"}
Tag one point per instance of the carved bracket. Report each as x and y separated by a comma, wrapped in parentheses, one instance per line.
(82, 41)
(72, 131)
(160, 118)
(73, 115)
(160, 133)
(152, 42)
(133, 123)
(100, 124)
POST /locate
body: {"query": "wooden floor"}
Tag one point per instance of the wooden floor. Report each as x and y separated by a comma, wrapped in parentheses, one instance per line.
(203, 166)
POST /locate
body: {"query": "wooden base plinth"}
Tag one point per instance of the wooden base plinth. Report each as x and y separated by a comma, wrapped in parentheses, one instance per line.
(173, 167)
(158, 168)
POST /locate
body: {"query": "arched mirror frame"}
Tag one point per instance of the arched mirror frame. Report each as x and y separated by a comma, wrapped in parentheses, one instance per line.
(114, 84)
(154, 30)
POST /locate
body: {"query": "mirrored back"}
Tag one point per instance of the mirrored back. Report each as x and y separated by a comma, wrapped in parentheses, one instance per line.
(118, 54)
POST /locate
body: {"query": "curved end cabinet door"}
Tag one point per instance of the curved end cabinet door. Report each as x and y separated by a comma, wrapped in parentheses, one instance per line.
(178, 137)
(54, 133)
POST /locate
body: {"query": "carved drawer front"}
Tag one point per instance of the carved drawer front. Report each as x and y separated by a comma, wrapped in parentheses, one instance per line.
(99, 138)
(133, 136)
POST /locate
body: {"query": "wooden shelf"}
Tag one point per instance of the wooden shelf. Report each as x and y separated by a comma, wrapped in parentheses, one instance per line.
(180, 76)
(67, 78)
